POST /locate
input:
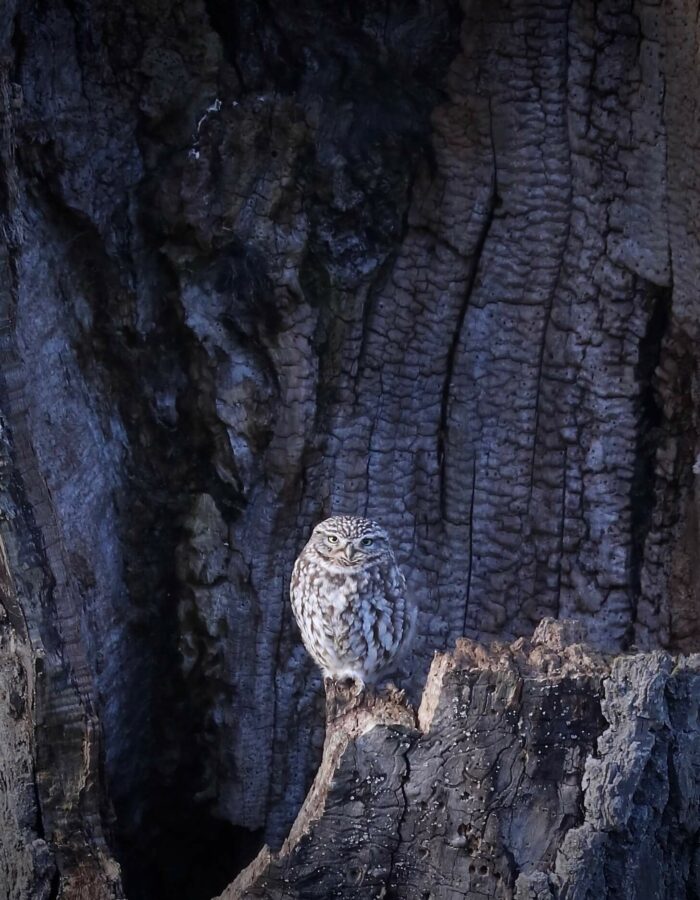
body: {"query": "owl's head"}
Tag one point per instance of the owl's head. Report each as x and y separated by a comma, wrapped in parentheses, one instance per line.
(350, 541)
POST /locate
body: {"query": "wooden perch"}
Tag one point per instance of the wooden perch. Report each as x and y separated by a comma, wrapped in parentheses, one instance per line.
(535, 770)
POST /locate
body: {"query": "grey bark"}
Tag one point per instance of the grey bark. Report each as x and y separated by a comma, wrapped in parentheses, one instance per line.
(263, 262)
(538, 770)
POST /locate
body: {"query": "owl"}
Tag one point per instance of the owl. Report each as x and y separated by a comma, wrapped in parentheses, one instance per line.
(349, 599)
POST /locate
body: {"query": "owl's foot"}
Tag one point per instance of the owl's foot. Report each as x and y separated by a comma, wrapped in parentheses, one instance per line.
(344, 694)
(354, 685)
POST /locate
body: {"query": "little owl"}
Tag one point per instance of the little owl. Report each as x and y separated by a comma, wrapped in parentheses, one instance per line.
(349, 599)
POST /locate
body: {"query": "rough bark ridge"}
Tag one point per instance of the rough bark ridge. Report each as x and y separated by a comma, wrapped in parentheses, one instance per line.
(537, 771)
(260, 263)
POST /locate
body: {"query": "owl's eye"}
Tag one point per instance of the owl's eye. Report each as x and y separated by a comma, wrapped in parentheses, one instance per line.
(332, 539)
(366, 542)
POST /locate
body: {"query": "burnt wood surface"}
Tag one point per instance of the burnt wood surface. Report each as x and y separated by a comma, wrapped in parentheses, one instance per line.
(261, 262)
(536, 770)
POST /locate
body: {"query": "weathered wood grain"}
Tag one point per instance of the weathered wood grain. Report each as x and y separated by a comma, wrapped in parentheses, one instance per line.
(538, 770)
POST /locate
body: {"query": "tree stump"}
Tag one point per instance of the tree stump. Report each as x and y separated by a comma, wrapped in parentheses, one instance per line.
(539, 769)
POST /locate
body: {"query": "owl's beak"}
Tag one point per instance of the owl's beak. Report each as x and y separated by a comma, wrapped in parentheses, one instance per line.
(349, 551)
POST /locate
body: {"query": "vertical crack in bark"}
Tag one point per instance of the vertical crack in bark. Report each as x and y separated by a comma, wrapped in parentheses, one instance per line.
(667, 203)
(275, 698)
(471, 548)
(376, 288)
(561, 256)
(443, 426)
(400, 839)
(55, 888)
(370, 440)
(649, 434)
(562, 527)
(540, 368)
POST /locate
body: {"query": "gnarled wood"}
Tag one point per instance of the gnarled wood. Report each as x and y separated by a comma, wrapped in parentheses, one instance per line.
(539, 770)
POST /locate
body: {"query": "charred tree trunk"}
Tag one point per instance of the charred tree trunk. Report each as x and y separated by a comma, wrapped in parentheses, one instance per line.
(262, 262)
(536, 770)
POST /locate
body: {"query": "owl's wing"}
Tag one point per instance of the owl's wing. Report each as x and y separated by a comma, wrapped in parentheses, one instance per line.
(402, 612)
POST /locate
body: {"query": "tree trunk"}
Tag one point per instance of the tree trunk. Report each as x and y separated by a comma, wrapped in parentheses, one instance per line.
(536, 771)
(264, 262)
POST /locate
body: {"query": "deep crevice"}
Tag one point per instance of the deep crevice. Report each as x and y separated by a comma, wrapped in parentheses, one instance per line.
(470, 555)
(170, 845)
(18, 43)
(220, 13)
(55, 887)
(649, 436)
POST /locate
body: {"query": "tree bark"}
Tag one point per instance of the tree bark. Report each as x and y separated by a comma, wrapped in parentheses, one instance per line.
(436, 263)
(536, 770)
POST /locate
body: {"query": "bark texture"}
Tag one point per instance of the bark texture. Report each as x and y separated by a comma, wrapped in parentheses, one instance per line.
(428, 261)
(537, 771)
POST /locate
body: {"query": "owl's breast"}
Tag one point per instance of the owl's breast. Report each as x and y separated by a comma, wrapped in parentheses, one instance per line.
(339, 595)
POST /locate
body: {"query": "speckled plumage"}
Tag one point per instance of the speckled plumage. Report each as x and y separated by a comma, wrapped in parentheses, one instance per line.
(349, 599)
